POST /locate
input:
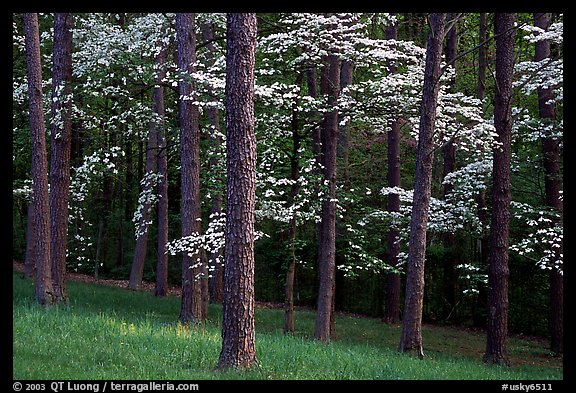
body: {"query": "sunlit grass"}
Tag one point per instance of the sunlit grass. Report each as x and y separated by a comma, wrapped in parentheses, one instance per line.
(113, 333)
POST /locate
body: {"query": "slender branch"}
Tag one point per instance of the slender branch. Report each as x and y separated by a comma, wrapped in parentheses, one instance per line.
(478, 46)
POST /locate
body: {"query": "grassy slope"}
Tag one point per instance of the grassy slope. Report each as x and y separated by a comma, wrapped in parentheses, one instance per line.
(113, 333)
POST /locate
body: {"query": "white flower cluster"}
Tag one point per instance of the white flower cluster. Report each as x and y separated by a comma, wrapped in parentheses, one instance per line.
(146, 201)
(547, 73)
(472, 278)
(24, 191)
(212, 241)
(543, 242)
(554, 34)
(83, 178)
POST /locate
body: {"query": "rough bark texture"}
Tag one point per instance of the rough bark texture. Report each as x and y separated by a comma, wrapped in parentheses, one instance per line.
(393, 283)
(327, 236)
(61, 138)
(216, 284)
(162, 189)
(238, 336)
(191, 307)
(552, 187)
(40, 234)
(411, 339)
(498, 272)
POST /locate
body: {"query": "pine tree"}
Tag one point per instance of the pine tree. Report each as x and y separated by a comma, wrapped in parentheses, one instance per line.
(238, 336)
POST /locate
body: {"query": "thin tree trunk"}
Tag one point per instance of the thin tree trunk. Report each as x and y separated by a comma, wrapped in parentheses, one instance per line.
(216, 284)
(61, 138)
(498, 272)
(294, 173)
(238, 337)
(155, 127)
(482, 242)
(191, 307)
(107, 195)
(204, 290)
(411, 339)
(312, 83)
(216, 260)
(99, 247)
(129, 178)
(162, 187)
(393, 284)
(481, 86)
(449, 153)
(40, 235)
(327, 236)
(342, 150)
(342, 158)
(552, 187)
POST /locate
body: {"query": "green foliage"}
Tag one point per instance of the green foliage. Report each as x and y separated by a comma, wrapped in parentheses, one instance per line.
(112, 333)
(113, 104)
(528, 297)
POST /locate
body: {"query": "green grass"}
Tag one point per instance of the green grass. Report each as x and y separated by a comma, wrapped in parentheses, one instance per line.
(112, 333)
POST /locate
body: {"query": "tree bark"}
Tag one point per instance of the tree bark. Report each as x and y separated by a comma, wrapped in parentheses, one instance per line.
(238, 336)
(498, 272)
(393, 283)
(191, 307)
(40, 235)
(327, 236)
(552, 188)
(61, 138)
(411, 339)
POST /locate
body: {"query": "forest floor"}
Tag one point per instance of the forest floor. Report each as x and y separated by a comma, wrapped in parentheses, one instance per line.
(174, 290)
(450, 337)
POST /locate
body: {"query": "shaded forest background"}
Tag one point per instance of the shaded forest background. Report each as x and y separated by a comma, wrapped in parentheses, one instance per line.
(115, 92)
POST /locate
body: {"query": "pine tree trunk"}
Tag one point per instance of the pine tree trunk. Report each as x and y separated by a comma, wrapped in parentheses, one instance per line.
(191, 306)
(393, 283)
(238, 337)
(498, 272)
(552, 187)
(411, 339)
(327, 236)
(40, 235)
(61, 138)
